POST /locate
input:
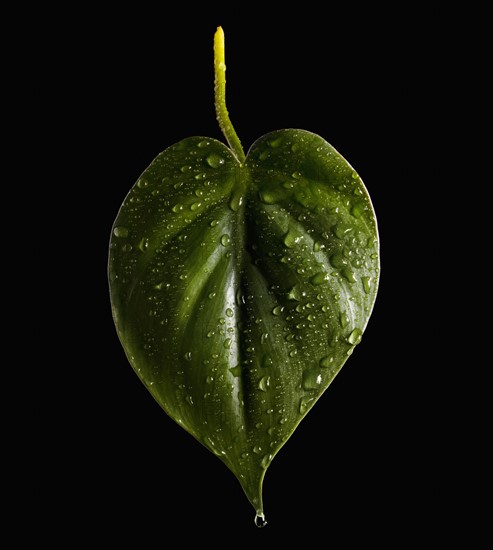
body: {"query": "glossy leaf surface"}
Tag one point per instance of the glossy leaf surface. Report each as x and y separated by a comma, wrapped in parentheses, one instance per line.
(240, 290)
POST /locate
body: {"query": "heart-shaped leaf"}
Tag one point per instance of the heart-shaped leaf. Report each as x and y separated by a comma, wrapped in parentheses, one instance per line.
(239, 288)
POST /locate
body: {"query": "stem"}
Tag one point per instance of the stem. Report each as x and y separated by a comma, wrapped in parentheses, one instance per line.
(220, 97)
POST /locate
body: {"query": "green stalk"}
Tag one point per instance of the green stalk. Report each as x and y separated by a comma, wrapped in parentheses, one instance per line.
(220, 97)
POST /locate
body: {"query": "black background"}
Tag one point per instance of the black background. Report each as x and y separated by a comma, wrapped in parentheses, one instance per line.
(119, 88)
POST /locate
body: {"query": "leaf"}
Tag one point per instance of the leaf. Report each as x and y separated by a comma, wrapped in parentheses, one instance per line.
(240, 289)
(241, 284)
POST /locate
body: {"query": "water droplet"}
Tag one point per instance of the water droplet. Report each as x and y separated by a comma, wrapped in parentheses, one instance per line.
(295, 294)
(355, 337)
(188, 356)
(341, 229)
(176, 208)
(266, 461)
(260, 520)
(348, 274)
(225, 240)
(213, 223)
(143, 244)
(214, 160)
(264, 383)
(127, 247)
(178, 185)
(239, 298)
(366, 284)
(296, 175)
(209, 380)
(229, 312)
(305, 403)
(326, 361)
(142, 183)
(278, 310)
(291, 239)
(264, 155)
(343, 319)
(358, 208)
(235, 371)
(120, 232)
(338, 261)
(235, 202)
(189, 399)
(267, 197)
(267, 361)
(276, 142)
(319, 278)
(257, 449)
(292, 353)
(203, 143)
(227, 343)
(185, 169)
(311, 379)
(317, 246)
(195, 206)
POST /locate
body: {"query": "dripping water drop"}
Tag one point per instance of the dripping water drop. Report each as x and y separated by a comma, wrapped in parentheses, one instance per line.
(260, 520)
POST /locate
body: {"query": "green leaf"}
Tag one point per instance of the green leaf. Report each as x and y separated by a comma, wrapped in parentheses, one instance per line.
(240, 285)
(239, 290)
